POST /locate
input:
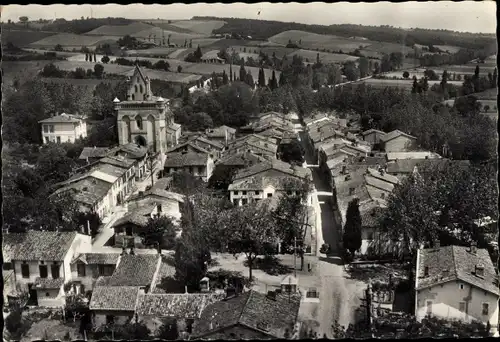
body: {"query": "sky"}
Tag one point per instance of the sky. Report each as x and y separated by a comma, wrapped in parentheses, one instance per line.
(464, 16)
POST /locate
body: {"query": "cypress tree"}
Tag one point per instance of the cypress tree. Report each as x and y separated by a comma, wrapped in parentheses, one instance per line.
(243, 72)
(274, 81)
(352, 227)
(225, 80)
(86, 57)
(262, 78)
(231, 72)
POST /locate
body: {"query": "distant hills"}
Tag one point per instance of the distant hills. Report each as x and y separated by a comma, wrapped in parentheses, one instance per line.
(264, 29)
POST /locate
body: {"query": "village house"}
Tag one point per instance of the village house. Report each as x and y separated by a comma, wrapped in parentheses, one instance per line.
(63, 128)
(267, 179)
(212, 57)
(222, 134)
(402, 168)
(183, 309)
(411, 155)
(373, 136)
(115, 298)
(129, 227)
(240, 160)
(250, 315)
(198, 164)
(213, 147)
(41, 262)
(259, 145)
(92, 154)
(397, 141)
(456, 282)
(104, 186)
(86, 268)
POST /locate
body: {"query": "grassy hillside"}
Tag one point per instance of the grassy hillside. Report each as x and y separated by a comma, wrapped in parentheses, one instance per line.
(200, 26)
(263, 29)
(22, 38)
(119, 30)
(72, 40)
(313, 41)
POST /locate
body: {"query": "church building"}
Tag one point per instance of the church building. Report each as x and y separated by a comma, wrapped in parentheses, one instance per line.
(146, 119)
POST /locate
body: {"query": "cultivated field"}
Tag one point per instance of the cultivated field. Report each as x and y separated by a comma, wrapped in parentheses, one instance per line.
(204, 42)
(200, 26)
(91, 82)
(157, 51)
(119, 30)
(175, 37)
(72, 40)
(174, 63)
(279, 51)
(208, 69)
(490, 94)
(166, 25)
(384, 47)
(382, 83)
(325, 57)
(22, 38)
(318, 41)
(129, 70)
(66, 54)
(448, 48)
(180, 53)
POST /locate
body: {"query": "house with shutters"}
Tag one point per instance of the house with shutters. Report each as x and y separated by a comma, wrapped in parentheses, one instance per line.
(457, 282)
(86, 268)
(254, 143)
(267, 179)
(64, 128)
(198, 162)
(41, 262)
(115, 298)
(215, 148)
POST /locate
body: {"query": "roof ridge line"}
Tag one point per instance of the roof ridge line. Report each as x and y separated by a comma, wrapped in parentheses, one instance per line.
(244, 306)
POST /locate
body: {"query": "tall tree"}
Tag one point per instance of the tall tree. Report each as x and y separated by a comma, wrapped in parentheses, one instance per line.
(159, 231)
(262, 78)
(243, 73)
(274, 82)
(225, 79)
(352, 227)
(231, 72)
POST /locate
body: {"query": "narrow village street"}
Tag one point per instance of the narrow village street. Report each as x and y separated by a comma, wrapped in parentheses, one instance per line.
(338, 295)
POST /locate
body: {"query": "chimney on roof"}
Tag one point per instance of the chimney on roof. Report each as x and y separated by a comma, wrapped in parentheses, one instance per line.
(479, 270)
(473, 247)
(271, 295)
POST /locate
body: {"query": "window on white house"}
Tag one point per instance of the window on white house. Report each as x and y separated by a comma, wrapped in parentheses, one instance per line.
(244, 201)
(55, 270)
(257, 192)
(51, 128)
(81, 270)
(461, 286)
(25, 270)
(58, 139)
(244, 192)
(47, 140)
(269, 195)
(47, 294)
(45, 128)
(236, 193)
(461, 306)
(44, 272)
(486, 308)
(235, 202)
(429, 307)
(200, 169)
(135, 88)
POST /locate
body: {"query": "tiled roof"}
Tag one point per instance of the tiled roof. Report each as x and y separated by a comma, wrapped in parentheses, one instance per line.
(165, 194)
(88, 190)
(412, 155)
(93, 152)
(379, 184)
(277, 165)
(182, 147)
(314, 118)
(167, 270)
(382, 176)
(135, 270)
(110, 170)
(244, 158)
(219, 132)
(451, 263)
(372, 131)
(251, 309)
(250, 144)
(48, 283)
(130, 150)
(370, 212)
(187, 306)
(102, 281)
(98, 258)
(124, 163)
(250, 138)
(137, 217)
(114, 298)
(214, 144)
(394, 134)
(331, 143)
(38, 245)
(61, 119)
(180, 159)
(259, 183)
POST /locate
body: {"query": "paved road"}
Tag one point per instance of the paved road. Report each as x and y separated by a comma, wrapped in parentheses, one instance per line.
(334, 295)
